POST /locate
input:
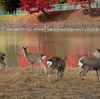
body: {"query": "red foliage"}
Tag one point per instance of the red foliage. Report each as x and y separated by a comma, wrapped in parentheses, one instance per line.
(38, 5)
(82, 2)
(72, 61)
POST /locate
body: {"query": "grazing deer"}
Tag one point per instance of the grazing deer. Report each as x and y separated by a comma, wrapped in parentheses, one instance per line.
(34, 58)
(57, 64)
(89, 63)
(2, 56)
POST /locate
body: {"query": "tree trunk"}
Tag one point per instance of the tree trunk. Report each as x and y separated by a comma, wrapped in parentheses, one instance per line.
(46, 14)
(89, 7)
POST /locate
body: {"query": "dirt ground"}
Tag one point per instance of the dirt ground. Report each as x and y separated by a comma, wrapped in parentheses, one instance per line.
(68, 16)
(18, 83)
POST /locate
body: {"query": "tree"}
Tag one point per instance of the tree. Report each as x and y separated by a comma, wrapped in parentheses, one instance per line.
(11, 4)
(62, 1)
(2, 4)
(82, 3)
(38, 5)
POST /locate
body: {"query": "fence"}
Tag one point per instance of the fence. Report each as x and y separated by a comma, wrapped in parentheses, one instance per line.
(58, 7)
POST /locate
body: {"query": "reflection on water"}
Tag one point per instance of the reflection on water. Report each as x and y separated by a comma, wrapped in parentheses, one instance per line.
(70, 46)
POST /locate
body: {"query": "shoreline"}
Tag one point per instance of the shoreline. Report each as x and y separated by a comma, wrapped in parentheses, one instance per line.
(50, 27)
(67, 20)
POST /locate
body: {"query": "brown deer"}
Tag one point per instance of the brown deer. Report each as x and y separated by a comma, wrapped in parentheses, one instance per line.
(97, 53)
(2, 56)
(57, 64)
(89, 63)
(34, 58)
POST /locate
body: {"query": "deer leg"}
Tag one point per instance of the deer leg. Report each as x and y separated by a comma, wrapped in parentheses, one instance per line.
(84, 74)
(57, 74)
(61, 73)
(3, 68)
(31, 68)
(99, 70)
(51, 70)
(43, 66)
(97, 75)
(80, 74)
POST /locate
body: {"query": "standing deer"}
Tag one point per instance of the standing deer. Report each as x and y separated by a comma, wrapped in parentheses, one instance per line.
(57, 64)
(34, 58)
(89, 63)
(97, 54)
(2, 56)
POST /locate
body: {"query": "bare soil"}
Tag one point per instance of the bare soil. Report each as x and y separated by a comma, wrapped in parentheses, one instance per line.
(18, 83)
(69, 16)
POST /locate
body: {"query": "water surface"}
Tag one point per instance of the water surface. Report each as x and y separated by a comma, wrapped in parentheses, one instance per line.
(70, 46)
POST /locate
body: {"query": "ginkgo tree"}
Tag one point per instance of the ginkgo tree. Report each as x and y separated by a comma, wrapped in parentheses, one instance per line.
(83, 3)
(33, 6)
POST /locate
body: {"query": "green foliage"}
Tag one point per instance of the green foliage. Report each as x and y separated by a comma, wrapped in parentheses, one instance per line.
(62, 1)
(2, 4)
(10, 4)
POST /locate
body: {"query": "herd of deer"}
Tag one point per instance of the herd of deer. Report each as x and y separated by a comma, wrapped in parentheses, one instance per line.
(86, 63)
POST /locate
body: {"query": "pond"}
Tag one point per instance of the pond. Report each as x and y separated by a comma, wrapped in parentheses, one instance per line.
(69, 46)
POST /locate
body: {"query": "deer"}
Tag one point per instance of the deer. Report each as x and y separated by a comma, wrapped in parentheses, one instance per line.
(97, 54)
(2, 57)
(34, 58)
(56, 63)
(88, 63)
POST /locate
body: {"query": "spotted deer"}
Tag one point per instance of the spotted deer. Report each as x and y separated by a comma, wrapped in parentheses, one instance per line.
(2, 57)
(57, 64)
(34, 58)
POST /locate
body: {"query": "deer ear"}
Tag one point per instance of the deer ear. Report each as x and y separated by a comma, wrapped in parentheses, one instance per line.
(98, 50)
(26, 47)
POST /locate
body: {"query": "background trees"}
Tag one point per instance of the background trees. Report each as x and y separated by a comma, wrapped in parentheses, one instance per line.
(82, 3)
(62, 1)
(39, 5)
(2, 4)
(9, 4)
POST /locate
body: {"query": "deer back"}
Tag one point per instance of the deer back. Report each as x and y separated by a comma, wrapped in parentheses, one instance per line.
(34, 57)
(57, 63)
(91, 62)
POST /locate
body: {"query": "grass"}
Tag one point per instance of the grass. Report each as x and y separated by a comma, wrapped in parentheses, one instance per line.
(18, 83)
